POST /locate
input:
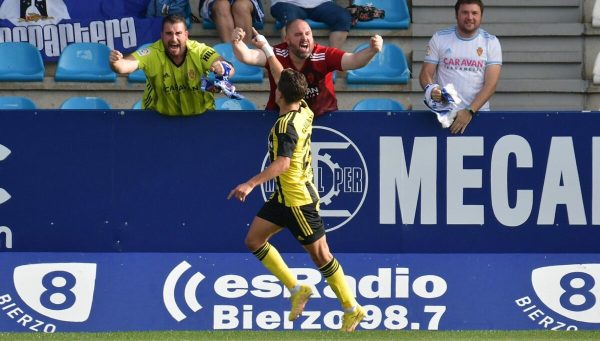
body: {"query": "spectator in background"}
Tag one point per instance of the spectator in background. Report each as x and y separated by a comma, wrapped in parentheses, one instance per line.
(467, 57)
(337, 18)
(163, 8)
(314, 61)
(228, 14)
(174, 68)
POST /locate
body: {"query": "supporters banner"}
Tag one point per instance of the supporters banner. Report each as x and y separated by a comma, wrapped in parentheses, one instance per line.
(136, 181)
(51, 25)
(96, 292)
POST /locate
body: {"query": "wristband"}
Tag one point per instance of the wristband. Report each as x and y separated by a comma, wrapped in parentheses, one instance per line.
(267, 49)
(470, 110)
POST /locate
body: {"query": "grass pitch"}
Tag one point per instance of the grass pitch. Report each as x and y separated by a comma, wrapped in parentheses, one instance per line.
(313, 335)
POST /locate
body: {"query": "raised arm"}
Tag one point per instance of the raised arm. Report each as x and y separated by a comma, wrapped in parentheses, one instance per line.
(274, 65)
(243, 53)
(120, 64)
(352, 61)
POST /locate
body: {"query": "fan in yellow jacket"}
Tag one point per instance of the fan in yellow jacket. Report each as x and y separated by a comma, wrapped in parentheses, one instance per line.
(174, 68)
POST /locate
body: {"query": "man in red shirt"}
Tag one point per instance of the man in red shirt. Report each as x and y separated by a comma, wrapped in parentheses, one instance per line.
(315, 61)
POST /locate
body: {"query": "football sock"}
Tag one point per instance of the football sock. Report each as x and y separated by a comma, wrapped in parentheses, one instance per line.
(272, 260)
(334, 274)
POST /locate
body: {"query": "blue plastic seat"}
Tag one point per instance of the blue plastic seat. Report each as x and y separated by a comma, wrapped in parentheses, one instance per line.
(84, 62)
(138, 76)
(137, 105)
(389, 66)
(15, 103)
(20, 62)
(378, 104)
(396, 14)
(244, 73)
(223, 103)
(85, 103)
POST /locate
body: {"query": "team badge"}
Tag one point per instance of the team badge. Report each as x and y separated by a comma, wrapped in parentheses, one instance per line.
(191, 74)
(479, 51)
(144, 52)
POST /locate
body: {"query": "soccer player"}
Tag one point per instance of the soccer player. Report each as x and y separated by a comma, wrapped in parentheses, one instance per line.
(174, 67)
(466, 56)
(295, 202)
(314, 61)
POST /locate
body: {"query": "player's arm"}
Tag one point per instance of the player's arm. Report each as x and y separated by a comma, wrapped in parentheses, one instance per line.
(490, 80)
(243, 53)
(120, 64)
(276, 168)
(352, 61)
(274, 65)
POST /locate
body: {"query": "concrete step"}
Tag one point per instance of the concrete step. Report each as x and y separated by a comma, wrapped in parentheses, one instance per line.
(502, 11)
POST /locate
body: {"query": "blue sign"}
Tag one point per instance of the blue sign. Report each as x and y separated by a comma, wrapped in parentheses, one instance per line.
(51, 25)
(135, 181)
(96, 292)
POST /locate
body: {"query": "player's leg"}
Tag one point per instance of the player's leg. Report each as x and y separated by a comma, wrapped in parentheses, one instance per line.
(315, 243)
(269, 220)
(257, 241)
(333, 273)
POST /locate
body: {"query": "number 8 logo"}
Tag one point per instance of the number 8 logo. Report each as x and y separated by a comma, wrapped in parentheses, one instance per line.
(62, 291)
(58, 294)
(570, 290)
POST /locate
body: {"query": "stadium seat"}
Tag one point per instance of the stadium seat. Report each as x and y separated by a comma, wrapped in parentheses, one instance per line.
(85, 103)
(314, 25)
(378, 104)
(387, 67)
(20, 62)
(138, 76)
(223, 103)
(15, 102)
(244, 73)
(137, 105)
(396, 14)
(84, 62)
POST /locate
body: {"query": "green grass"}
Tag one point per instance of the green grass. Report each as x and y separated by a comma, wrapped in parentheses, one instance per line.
(313, 335)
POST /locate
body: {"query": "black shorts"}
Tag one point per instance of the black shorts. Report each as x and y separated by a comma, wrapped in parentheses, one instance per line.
(304, 222)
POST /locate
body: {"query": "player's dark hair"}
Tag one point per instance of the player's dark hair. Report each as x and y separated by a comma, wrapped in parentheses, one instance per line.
(468, 2)
(173, 19)
(292, 85)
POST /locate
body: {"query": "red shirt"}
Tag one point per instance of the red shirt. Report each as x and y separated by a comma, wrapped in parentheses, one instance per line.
(318, 72)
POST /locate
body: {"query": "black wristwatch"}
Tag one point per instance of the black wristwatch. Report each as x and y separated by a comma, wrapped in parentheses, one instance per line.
(470, 110)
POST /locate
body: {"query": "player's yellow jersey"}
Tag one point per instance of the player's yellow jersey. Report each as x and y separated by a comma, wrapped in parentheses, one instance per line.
(175, 90)
(291, 137)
